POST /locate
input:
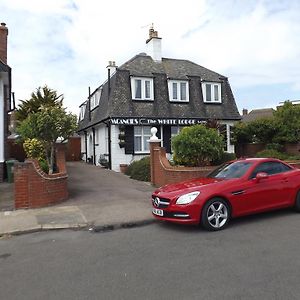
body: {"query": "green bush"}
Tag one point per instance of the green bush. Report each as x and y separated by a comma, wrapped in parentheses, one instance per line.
(224, 158)
(44, 165)
(197, 146)
(34, 148)
(272, 153)
(139, 169)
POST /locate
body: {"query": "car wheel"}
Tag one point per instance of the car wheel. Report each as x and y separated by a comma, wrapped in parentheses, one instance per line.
(297, 202)
(215, 214)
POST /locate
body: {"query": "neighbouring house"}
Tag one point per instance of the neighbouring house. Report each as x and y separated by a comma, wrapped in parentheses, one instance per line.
(256, 114)
(5, 97)
(149, 90)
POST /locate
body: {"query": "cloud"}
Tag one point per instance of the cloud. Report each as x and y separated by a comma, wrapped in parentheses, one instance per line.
(67, 44)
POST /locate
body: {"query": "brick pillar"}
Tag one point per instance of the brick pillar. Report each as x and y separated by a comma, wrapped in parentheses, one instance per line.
(154, 160)
(21, 180)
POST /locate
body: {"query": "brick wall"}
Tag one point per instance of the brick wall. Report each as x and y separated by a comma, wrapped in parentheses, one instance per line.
(163, 173)
(34, 188)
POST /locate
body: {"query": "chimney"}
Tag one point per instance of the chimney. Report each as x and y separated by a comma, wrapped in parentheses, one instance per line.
(154, 45)
(111, 68)
(3, 42)
(245, 111)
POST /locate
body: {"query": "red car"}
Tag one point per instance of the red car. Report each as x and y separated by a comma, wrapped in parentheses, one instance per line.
(235, 189)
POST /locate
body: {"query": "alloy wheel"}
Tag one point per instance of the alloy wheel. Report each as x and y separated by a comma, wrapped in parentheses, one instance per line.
(217, 214)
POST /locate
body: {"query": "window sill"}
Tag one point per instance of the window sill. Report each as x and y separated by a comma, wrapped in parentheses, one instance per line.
(179, 101)
(208, 102)
(143, 100)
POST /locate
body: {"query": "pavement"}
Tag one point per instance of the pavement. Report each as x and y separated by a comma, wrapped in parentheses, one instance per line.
(99, 200)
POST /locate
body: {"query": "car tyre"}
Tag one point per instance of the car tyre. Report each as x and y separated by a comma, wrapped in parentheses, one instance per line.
(297, 202)
(215, 214)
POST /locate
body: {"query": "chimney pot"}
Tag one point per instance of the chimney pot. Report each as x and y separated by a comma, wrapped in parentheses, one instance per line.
(245, 111)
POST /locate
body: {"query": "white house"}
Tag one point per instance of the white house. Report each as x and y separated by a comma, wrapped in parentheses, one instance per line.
(149, 90)
(5, 92)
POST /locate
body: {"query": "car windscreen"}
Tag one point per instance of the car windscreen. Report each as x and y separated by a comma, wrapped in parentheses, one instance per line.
(231, 170)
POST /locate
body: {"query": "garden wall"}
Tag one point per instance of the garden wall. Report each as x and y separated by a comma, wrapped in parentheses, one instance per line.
(34, 188)
(163, 173)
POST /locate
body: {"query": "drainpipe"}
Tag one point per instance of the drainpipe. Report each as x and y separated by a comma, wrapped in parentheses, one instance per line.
(89, 106)
(109, 145)
(94, 147)
(85, 140)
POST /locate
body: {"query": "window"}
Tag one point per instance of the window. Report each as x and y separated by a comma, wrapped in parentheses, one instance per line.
(95, 98)
(82, 112)
(211, 92)
(271, 168)
(142, 88)
(141, 135)
(178, 90)
(175, 130)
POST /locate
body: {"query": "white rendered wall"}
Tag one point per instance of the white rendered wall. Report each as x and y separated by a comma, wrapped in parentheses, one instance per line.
(101, 140)
(154, 48)
(82, 145)
(1, 120)
(230, 147)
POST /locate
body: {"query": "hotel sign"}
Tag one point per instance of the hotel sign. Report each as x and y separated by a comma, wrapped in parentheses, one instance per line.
(156, 121)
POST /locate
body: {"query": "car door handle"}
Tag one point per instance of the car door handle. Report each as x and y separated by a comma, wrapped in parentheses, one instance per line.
(285, 180)
(239, 192)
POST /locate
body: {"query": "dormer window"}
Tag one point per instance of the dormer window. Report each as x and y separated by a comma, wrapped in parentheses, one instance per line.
(95, 98)
(142, 88)
(178, 90)
(82, 112)
(211, 92)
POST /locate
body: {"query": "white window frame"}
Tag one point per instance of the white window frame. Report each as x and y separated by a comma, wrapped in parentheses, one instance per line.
(82, 112)
(178, 82)
(212, 92)
(143, 145)
(143, 88)
(95, 98)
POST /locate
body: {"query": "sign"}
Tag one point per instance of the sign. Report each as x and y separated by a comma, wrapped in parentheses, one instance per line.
(156, 121)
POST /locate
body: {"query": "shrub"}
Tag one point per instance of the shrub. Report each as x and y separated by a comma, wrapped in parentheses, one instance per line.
(44, 165)
(224, 158)
(139, 169)
(272, 153)
(197, 146)
(34, 149)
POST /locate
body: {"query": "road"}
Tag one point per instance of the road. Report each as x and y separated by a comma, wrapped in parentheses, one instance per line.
(254, 258)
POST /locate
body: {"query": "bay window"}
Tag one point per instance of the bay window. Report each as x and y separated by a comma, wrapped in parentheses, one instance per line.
(141, 135)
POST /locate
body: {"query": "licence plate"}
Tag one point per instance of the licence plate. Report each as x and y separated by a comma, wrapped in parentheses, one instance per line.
(158, 212)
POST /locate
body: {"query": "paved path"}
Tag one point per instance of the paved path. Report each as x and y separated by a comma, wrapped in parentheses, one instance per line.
(99, 199)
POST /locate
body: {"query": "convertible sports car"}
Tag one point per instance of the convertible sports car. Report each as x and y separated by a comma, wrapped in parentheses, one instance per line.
(236, 188)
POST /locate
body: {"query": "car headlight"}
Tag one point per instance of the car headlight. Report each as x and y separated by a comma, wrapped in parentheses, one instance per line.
(187, 198)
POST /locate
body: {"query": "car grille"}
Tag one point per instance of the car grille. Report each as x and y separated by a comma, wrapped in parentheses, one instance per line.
(163, 202)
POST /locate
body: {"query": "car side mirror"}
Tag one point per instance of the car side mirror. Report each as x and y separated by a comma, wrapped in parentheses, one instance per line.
(261, 175)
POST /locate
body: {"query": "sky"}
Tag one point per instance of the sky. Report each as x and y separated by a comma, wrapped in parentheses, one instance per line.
(67, 44)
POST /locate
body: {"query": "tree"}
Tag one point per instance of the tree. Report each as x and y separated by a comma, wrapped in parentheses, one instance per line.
(288, 120)
(43, 97)
(47, 125)
(197, 146)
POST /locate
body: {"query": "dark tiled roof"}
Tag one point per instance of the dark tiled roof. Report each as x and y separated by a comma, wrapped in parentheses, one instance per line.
(120, 103)
(4, 67)
(256, 114)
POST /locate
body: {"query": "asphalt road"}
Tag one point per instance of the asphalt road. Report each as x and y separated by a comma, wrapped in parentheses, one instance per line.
(254, 258)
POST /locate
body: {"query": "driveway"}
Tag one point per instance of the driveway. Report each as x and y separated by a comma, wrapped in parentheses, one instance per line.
(105, 196)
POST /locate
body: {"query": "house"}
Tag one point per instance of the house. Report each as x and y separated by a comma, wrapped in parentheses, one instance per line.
(255, 114)
(5, 97)
(149, 90)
